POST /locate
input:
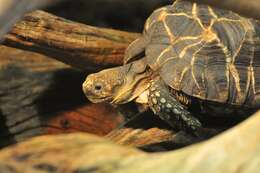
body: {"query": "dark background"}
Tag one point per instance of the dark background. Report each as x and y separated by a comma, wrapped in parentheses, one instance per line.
(126, 15)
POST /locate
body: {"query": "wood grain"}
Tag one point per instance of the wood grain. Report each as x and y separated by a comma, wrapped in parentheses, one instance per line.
(79, 45)
(236, 150)
(12, 11)
(40, 96)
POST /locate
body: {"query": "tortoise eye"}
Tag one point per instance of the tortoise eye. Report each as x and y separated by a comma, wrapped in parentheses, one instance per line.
(98, 87)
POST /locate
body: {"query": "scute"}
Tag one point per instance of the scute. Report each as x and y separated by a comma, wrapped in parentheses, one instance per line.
(207, 53)
(220, 13)
(203, 14)
(155, 17)
(160, 54)
(230, 33)
(220, 67)
(181, 25)
(254, 67)
(180, 6)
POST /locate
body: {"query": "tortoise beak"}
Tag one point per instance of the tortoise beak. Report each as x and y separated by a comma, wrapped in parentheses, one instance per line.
(86, 87)
(87, 90)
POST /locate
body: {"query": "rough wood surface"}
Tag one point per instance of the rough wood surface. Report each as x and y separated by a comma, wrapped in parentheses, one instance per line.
(237, 150)
(151, 140)
(150, 133)
(79, 45)
(12, 10)
(40, 96)
(140, 137)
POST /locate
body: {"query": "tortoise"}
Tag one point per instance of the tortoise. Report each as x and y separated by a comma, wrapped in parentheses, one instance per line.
(189, 57)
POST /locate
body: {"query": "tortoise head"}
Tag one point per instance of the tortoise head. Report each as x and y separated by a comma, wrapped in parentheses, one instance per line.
(117, 85)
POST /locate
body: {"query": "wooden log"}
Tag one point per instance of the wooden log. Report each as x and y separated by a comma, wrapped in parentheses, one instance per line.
(40, 96)
(151, 140)
(233, 151)
(150, 133)
(33, 62)
(140, 137)
(82, 46)
(12, 10)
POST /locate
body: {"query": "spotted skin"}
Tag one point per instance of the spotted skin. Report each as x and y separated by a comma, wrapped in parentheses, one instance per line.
(164, 104)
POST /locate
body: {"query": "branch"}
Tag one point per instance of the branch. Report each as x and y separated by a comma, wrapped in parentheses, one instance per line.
(154, 139)
(152, 134)
(12, 10)
(79, 45)
(233, 151)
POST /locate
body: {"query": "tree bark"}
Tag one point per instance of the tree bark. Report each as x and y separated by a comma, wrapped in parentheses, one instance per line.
(82, 46)
(237, 150)
(12, 10)
(151, 140)
(41, 96)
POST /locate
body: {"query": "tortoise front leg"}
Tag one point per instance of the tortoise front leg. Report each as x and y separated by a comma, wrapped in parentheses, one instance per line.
(163, 104)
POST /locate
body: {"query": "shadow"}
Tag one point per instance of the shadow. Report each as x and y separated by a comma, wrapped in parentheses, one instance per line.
(28, 99)
(146, 121)
(63, 92)
(5, 132)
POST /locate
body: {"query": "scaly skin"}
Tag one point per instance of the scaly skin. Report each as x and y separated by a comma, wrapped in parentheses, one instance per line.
(163, 103)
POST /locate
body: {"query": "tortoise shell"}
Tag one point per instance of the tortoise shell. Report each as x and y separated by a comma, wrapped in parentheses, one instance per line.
(207, 53)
